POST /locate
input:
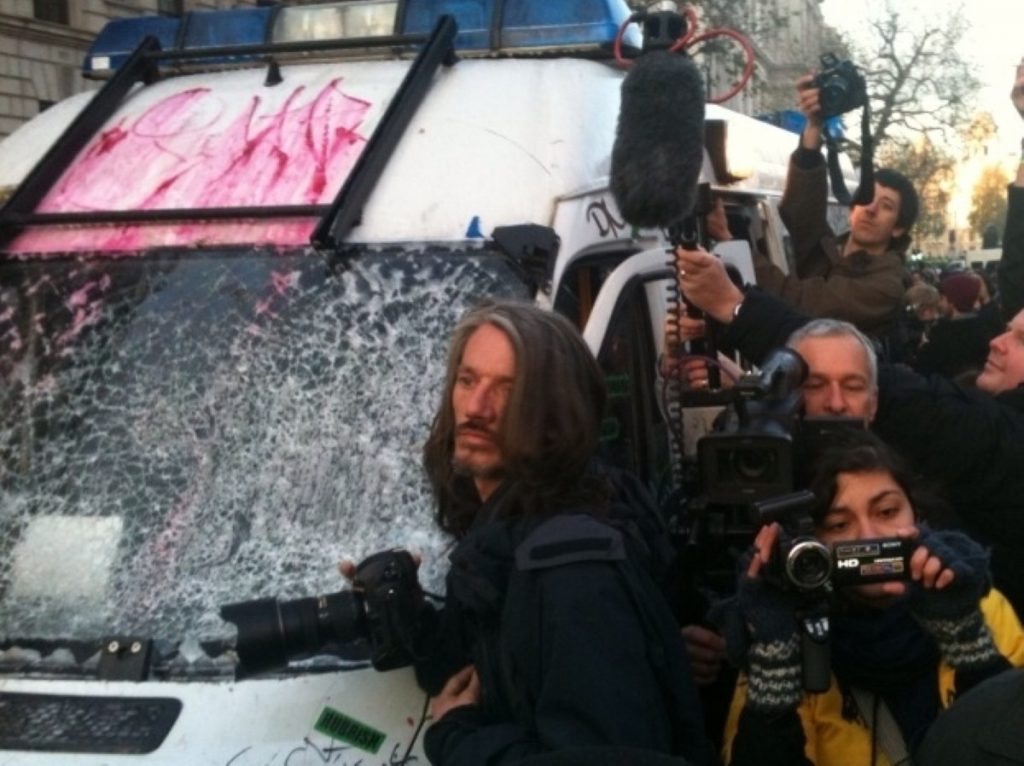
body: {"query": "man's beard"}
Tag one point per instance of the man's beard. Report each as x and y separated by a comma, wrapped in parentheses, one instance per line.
(479, 464)
(467, 469)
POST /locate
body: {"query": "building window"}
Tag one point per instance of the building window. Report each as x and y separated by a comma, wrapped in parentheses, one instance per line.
(43, 104)
(51, 10)
(170, 7)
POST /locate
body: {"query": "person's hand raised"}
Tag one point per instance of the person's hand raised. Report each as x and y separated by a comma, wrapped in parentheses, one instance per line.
(1017, 94)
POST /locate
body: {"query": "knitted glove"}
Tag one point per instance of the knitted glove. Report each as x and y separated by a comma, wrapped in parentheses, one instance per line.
(761, 632)
(952, 615)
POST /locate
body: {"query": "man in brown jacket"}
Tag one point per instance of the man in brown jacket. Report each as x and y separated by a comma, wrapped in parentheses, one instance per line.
(860, 276)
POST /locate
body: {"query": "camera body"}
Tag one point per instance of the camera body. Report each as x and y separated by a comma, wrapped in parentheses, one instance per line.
(391, 602)
(841, 86)
(766, 450)
(806, 563)
(381, 611)
(752, 458)
(860, 562)
(803, 562)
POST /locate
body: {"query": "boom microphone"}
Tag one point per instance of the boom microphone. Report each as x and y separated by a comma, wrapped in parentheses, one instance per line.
(659, 143)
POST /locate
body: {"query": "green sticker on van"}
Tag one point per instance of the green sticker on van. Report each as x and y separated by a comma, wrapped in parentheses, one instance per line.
(339, 726)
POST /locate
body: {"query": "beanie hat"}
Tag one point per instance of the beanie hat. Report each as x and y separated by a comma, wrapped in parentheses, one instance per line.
(961, 290)
(922, 297)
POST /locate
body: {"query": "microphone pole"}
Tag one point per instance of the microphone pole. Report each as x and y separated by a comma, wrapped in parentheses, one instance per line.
(689, 234)
(662, 29)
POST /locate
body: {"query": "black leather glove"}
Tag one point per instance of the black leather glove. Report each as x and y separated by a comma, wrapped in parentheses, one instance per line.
(953, 615)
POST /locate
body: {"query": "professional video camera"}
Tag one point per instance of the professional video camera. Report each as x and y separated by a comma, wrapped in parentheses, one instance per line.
(803, 562)
(766, 447)
(382, 609)
(841, 86)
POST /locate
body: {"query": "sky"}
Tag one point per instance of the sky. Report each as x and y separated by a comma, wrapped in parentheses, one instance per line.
(994, 41)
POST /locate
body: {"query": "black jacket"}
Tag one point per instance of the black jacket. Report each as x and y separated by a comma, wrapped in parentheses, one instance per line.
(1011, 265)
(970, 442)
(958, 346)
(573, 643)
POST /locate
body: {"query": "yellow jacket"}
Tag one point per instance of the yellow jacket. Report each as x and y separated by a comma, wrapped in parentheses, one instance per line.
(832, 740)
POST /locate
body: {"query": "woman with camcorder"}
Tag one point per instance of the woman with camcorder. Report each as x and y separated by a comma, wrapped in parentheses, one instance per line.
(901, 649)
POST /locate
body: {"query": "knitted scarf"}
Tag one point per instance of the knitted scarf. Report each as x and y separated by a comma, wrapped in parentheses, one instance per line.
(886, 652)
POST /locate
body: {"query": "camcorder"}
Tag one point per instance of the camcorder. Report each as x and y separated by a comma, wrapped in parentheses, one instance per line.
(841, 86)
(764, 448)
(803, 562)
(381, 612)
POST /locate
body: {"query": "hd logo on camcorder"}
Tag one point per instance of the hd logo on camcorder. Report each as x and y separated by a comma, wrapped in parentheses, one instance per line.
(848, 563)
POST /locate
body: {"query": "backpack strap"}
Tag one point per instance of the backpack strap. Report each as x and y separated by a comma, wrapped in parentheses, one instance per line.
(567, 539)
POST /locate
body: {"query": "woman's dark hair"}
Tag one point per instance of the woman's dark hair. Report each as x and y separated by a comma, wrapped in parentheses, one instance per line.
(552, 420)
(863, 452)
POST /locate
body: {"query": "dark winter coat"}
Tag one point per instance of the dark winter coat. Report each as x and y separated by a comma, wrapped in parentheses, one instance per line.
(1011, 266)
(573, 642)
(958, 346)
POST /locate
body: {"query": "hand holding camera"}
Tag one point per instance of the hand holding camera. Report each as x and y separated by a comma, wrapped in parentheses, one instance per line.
(762, 631)
(950, 576)
(381, 610)
(838, 88)
(769, 608)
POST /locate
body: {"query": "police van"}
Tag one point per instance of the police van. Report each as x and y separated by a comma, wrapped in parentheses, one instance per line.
(227, 278)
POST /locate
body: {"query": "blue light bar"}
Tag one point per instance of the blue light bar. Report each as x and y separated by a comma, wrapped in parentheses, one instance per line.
(212, 29)
(531, 24)
(525, 24)
(120, 37)
(472, 16)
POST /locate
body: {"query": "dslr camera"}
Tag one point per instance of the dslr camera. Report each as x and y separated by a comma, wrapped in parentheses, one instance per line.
(841, 86)
(381, 610)
(803, 562)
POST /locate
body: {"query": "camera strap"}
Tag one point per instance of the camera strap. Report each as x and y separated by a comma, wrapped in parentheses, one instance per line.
(877, 716)
(866, 189)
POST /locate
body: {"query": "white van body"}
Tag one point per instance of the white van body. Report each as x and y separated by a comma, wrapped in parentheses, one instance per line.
(197, 412)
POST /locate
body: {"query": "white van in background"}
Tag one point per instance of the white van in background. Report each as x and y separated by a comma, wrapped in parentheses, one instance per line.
(227, 279)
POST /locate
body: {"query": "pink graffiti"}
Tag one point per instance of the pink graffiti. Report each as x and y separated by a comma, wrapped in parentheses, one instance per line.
(86, 304)
(283, 281)
(196, 149)
(280, 283)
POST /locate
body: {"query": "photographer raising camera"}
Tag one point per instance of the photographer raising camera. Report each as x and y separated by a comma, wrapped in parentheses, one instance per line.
(902, 649)
(859, 276)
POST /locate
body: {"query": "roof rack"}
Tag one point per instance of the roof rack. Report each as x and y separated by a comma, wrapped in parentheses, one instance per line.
(336, 220)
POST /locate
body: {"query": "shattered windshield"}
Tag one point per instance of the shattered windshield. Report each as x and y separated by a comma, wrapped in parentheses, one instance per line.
(182, 431)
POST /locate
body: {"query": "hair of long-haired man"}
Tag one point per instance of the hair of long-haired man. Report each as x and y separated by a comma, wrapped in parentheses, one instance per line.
(552, 419)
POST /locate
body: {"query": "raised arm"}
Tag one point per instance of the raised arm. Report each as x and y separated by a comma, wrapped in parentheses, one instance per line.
(1011, 266)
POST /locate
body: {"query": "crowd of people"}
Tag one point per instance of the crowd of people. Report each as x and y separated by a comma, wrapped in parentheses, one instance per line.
(558, 641)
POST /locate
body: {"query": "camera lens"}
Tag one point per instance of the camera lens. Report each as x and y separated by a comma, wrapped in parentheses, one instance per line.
(808, 564)
(272, 633)
(755, 465)
(834, 93)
